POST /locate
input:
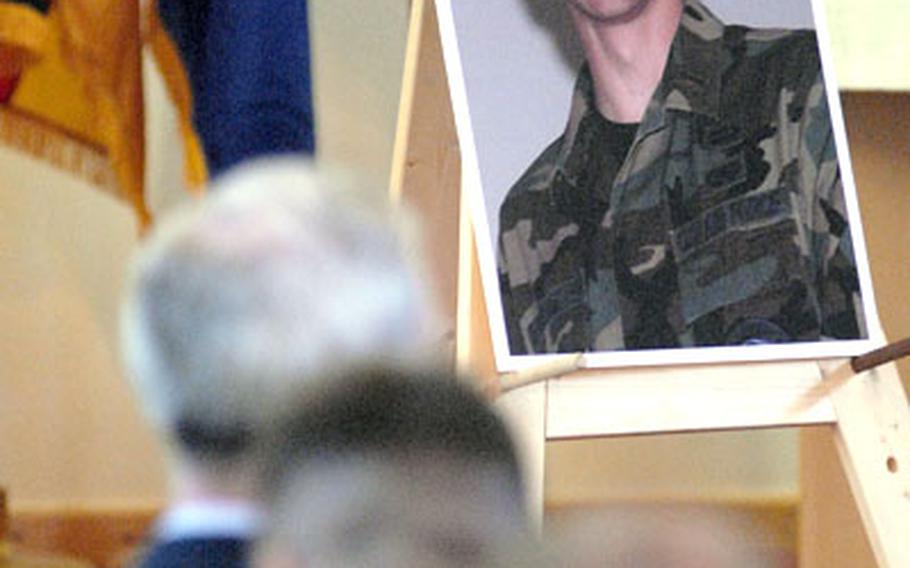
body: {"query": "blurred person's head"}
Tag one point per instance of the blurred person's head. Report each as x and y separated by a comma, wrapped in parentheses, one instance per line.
(394, 468)
(658, 536)
(279, 274)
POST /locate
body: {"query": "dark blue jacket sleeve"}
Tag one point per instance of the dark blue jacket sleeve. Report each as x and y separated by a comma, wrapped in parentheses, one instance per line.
(248, 63)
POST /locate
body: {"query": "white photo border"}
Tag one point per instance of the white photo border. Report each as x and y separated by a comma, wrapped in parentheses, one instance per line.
(472, 187)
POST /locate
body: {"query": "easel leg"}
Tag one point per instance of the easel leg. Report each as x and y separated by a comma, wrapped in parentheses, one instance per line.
(525, 411)
(872, 436)
(828, 508)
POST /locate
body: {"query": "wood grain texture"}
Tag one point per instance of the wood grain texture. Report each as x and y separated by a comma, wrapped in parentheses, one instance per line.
(671, 399)
(426, 169)
(106, 539)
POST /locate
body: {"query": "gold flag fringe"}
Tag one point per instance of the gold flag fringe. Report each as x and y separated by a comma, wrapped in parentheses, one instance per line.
(59, 148)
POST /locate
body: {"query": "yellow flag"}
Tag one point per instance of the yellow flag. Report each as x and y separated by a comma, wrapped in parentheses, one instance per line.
(78, 102)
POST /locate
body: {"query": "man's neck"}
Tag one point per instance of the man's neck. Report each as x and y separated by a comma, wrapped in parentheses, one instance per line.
(204, 504)
(627, 55)
(192, 484)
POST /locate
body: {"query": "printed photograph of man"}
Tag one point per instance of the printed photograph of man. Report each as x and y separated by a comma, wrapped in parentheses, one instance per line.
(693, 199)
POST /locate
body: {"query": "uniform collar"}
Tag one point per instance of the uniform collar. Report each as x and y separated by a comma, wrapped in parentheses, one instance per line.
(691, 81)
(692, 78)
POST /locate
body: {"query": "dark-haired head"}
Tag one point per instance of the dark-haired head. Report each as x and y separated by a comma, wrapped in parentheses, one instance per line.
(390, 413)
(409, 466)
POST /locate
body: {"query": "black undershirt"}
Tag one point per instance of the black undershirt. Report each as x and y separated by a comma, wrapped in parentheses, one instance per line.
(604, 147)
(615, 140)
(600, 149)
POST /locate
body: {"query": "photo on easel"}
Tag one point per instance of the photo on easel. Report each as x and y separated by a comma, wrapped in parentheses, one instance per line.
(658, 181)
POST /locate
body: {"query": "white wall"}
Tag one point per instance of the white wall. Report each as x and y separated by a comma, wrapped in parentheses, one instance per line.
(870, 48)
(69, 429)
(358, 62)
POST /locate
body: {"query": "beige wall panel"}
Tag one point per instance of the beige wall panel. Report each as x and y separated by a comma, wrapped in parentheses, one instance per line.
(68, 421)
(358, 59)
(757, 465)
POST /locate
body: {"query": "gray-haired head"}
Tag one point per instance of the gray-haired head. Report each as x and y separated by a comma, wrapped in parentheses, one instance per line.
(280, 274)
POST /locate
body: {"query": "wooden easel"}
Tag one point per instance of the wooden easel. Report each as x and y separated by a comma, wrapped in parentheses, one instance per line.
(868, 412)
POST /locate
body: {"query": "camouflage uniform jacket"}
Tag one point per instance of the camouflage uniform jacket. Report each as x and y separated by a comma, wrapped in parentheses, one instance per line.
(725, 224)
